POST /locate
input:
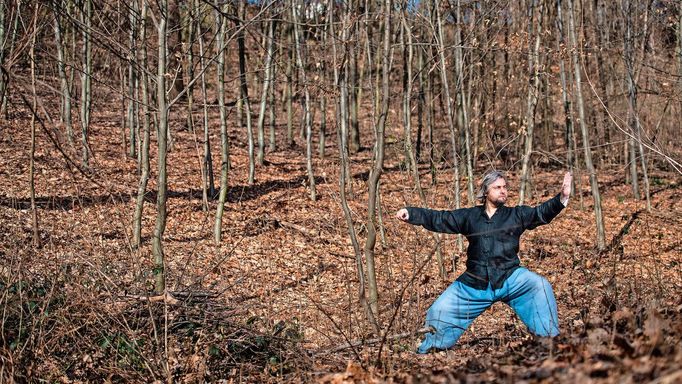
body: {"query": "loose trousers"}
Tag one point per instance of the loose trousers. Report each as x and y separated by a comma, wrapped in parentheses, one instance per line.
(529, 294)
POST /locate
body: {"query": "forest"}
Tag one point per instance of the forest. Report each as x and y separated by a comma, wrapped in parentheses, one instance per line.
(206, 190)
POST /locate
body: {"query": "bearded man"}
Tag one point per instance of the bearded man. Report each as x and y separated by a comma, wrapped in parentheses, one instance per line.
(493, 271)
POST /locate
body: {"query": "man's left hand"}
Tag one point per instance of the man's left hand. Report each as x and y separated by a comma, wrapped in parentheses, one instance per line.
(566, 186)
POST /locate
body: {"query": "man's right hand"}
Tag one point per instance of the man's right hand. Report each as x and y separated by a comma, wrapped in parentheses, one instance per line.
(402, 215)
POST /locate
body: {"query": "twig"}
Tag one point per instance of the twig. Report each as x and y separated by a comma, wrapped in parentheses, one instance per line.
(376, 340)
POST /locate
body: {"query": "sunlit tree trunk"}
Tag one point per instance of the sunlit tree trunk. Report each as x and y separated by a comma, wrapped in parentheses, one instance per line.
(307, 105)
(144, 149)
(243, 89)
(224, 152)
(86, 97)
(340, 79)
(566, 101)
(289, 90)
(377, 168)
(464, 104)
(65, 96)
(132, 40)
(208, 185)
(272, 25)
(635, 138)
(594, 184)
(532, 100)
(440, 38)
(162, 131)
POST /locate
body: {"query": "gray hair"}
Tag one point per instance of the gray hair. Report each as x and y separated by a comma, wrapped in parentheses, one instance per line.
(488, 179)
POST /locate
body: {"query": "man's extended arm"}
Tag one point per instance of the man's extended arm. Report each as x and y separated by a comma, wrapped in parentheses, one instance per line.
(436, 221)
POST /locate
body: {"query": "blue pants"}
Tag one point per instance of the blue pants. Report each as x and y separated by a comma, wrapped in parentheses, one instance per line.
(529, 294)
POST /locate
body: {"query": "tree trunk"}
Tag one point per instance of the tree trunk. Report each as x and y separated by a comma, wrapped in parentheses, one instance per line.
(451, 122)
(532, 100)
(272, 25)
(566, 101)
(86, 98)
(464, 105)
(162, 184)
(144, 150)
(244, 91)
(208, 185)
(130, 114)
(224, 151)
(31, 169)
(377, 169)
(289, 93)
(307, 106)
(342, 106)
(65, 96)
(594, 184)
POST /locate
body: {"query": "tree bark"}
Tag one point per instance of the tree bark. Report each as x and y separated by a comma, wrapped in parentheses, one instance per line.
(532, 100)
(272, 25)
(594, 184)
(244, 91)
(144, 150)
(65, 96)
(162, 184)
(224, 145)
(307, 106)
(86, 98)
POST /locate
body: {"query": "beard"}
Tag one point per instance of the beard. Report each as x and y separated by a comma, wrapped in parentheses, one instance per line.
(499, 202)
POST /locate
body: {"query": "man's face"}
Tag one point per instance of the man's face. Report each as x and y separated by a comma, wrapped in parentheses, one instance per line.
(497, 192)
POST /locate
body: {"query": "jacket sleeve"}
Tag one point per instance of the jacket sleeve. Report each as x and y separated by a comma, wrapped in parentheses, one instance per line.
(439, 221)
(532, 217)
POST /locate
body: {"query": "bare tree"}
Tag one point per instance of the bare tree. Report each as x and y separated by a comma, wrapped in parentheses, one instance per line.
(86, 80)
(594, 184)
(31, 170)
(65, 89)
(299, 42)
(267, 80)
(144, 149)
(224, 154)
(532, 100)
(162, 131)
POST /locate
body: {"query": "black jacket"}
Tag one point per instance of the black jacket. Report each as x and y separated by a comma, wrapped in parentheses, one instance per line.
(493, 242)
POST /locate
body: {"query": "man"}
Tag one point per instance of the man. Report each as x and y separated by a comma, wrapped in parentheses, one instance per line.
(493, 272)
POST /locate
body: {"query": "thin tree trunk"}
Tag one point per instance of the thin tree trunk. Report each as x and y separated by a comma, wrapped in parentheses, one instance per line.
(61, 66)
(31, 170)
(451, 123)
(162, 131)
(244, 91)
(464, 105)
(132, 40)
(594, 184)
(4, 82)
(272, 145)
(289, 93)
(208, 185)
(86, 98)
(566, 101)
(342, 106)
(272, 25)
(307, 106)
(377, 169)
(144, 150)
(188, 28)
(224, 151)
(532, 100)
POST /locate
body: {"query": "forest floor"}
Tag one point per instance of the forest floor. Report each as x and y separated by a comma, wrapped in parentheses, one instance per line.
(277, 300)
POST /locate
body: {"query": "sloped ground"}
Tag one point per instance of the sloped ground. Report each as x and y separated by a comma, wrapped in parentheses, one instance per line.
(277, 300)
